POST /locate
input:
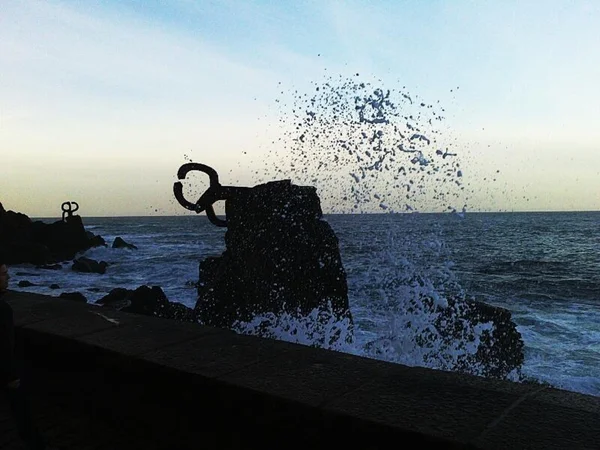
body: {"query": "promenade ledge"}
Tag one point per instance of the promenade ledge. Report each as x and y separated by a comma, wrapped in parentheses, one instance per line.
(103, 379)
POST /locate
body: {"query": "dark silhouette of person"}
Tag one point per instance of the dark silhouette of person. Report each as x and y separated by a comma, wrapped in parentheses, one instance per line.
(10, 382)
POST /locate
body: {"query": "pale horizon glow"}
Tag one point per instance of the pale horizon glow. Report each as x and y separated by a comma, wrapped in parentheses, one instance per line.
(100, 100)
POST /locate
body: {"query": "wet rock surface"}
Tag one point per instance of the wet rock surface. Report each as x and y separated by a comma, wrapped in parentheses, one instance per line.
(88, 265)
(483, 338)
(119, 242)
(280, 257)
(149, 301)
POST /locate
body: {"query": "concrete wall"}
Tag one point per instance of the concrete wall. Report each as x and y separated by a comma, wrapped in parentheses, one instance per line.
(187, 386)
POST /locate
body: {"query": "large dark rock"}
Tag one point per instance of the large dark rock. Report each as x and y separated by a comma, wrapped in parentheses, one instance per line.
(280, 257)
(21, 252)
(501, 348)
(150, 301)
(88, 265)
(74, 296)
(463, 335)
(119, 242)
(25, 241)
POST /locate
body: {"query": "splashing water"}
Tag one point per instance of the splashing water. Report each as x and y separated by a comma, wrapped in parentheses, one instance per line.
(371, 149)
(366, 148)
(408, 308)
(419, 305)
(320, 328)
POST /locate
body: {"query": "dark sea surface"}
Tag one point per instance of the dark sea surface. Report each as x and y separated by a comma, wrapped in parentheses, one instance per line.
(543, 267)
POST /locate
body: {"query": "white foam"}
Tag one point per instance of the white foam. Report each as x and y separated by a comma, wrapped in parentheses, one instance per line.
(388, 298)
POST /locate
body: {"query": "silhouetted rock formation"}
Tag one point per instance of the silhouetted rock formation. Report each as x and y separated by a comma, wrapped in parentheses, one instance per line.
(475, 337)
(119, 242)
(150, 301)
(88, 265)
(74, 296)
(50, 267)
(281, 257)
(36, 242)
(501, 350)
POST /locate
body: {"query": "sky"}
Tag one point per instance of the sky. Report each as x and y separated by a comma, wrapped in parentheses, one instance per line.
(102, 101)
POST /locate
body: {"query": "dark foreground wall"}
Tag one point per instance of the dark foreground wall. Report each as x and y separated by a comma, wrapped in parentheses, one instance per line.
(185, 386)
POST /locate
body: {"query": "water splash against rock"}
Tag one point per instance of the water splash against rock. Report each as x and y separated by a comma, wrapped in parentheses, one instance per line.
(321, 327)
(368, 148)
(408, 308)
(420, 315)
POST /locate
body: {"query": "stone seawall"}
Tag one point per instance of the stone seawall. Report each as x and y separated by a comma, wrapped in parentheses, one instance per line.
(186, 386)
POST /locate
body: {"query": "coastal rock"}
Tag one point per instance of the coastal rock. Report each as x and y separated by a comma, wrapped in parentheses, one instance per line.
(25, 283)
(464, 335)
(25, 241)
(88, 265)
(119, 242)
(117, 298)
(150, 301)
(74, 296)
(50, 267)
(280, 257)
(500, 351)
(23, 252)
(95, 240)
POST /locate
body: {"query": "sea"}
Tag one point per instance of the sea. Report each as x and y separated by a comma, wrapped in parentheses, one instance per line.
(542, 266)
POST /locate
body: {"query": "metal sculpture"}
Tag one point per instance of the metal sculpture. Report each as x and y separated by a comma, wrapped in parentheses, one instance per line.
(67, 210)
(214, 193)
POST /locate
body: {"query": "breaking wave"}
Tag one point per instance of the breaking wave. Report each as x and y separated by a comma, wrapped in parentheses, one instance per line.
(408, 308)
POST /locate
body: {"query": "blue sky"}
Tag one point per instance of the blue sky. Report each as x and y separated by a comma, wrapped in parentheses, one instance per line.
(100, 100)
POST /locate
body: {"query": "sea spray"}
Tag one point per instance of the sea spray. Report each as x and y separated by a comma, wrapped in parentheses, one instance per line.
(411, 290)
(366, 147)
(407, 304)
(320, 328)
(559, 325)
(372, 148)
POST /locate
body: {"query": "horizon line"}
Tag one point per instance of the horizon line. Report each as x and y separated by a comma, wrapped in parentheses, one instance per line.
(348, 214)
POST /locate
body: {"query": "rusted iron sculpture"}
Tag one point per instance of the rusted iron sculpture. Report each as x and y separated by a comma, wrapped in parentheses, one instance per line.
(67, 210)
(214, 193)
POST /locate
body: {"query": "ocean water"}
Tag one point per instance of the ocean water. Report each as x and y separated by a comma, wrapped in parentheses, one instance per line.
(543, 267)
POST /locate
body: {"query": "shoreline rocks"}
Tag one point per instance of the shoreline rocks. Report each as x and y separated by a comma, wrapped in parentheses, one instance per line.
(150, 301)
(88, 265)
(119, 242)
(280, 257)
(26, 241)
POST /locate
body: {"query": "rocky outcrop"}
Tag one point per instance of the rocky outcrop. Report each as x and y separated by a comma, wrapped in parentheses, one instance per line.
(88, 265)
(150, 301)
(50, 267)
(25, 241)
(119, 242)
(500, 350)
(74, 296)
(460, 334)
(280, 257)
